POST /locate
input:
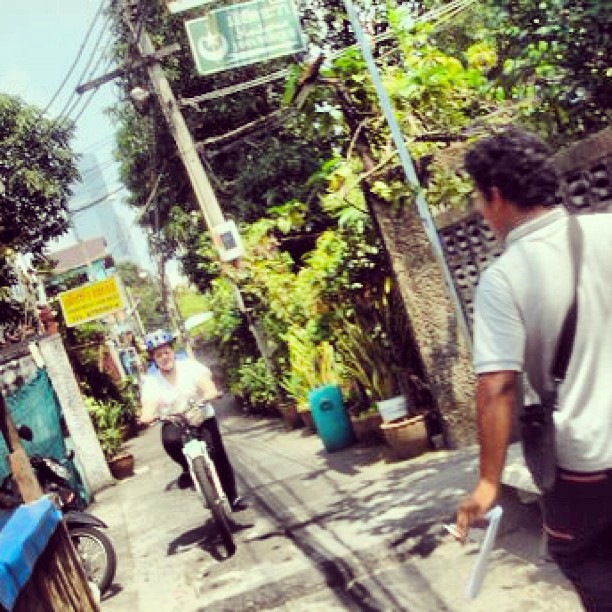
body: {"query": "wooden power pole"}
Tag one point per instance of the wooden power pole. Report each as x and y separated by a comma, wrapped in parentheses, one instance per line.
(58, 582)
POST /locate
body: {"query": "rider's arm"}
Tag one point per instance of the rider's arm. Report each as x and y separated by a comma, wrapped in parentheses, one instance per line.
(149, 412)
(149, 401)
(207, 388)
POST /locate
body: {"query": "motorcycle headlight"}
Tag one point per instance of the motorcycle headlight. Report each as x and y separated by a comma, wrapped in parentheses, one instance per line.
(57, 469)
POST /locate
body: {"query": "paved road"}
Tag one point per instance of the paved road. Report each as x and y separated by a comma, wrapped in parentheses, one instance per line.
(341, 531)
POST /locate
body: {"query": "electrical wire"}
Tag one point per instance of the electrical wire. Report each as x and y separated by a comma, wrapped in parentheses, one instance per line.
(98, 166)
(77, 58)
(104, 198)
(443, 14)
(98, 144)
(88, 71)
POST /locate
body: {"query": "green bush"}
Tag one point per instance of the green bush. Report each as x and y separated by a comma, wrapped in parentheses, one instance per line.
(255, 384)
(106, 419)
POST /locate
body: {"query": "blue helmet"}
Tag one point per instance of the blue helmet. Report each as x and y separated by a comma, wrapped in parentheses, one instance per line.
(158, 338)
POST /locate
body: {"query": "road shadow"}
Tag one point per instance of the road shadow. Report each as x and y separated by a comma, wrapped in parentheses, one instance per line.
(207, 538)
(405, 507)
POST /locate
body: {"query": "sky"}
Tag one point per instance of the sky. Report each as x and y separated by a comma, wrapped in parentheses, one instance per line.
(40, 41)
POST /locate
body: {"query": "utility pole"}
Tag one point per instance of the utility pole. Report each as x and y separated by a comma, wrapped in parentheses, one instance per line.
(186, 146)
(205, 196)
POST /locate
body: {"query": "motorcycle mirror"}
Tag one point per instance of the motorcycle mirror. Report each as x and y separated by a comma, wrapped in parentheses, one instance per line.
(25, 433)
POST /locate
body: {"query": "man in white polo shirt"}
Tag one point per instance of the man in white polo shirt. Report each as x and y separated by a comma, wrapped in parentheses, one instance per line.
(167, 391)
(521, 302)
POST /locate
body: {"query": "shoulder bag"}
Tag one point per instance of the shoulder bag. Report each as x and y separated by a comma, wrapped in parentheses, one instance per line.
(537, 425)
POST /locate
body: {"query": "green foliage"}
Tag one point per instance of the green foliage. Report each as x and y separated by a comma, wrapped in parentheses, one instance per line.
(146, 293)
(559, 51)
(264, 167)
(377, 347)
(255, 384)
(105, 417)
(37, 168)
(310, 365)
(83, 347)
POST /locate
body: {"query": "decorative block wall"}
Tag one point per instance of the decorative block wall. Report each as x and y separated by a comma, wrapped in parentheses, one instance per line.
(469, 245)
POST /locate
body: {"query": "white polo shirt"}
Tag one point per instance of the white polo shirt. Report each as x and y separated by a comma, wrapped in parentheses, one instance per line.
(174, 399)
(521, 301)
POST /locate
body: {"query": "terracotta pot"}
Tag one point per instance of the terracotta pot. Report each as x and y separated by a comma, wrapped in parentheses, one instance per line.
(290, 414)
(308, 420)
(367, 429)
(129, 430)
(122, 466)
(407, 437)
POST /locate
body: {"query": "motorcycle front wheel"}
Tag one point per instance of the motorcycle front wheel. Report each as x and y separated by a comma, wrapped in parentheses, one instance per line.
(97, 555)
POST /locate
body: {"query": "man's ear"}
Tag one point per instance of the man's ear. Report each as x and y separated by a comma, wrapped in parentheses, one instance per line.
(496, 199)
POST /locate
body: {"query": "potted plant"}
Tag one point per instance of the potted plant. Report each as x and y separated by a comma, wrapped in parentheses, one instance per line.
(302, 376)
(370, 363)
(297, 390)
(366, 424)
(368, 347)
(106, 419)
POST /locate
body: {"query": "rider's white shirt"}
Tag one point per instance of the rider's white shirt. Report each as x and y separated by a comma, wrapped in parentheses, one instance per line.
(174, 399)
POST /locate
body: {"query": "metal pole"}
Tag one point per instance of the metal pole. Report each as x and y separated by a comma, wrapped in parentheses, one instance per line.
(408, 166)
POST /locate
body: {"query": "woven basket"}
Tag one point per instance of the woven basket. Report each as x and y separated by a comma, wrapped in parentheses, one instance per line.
(407, 437)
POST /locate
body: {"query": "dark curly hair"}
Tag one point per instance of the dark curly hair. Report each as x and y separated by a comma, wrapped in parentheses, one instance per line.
(519, 164)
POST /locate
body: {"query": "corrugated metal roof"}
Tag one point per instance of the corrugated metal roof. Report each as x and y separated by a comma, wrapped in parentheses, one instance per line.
(78, 255)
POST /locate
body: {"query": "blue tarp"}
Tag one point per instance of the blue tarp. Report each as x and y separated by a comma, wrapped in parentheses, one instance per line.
(24, 534)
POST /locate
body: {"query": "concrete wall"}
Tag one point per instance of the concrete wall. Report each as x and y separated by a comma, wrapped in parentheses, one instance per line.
(442, 347)
(86, 445)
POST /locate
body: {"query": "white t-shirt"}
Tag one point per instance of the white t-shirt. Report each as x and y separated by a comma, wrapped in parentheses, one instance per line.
(174, 399)
(521, 302)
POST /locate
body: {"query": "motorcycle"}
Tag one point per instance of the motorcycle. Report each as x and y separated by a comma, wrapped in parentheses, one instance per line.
(94, 547)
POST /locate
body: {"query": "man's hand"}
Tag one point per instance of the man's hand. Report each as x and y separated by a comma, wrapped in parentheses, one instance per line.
(213, 395)
(145, 420)
(474, 507)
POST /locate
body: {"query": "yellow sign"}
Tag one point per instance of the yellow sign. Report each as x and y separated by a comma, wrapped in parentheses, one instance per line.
(91, 301)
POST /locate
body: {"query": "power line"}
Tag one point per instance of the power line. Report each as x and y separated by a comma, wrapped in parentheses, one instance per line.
(77, 58)
(106, 196)
(447, 12)
(99, 166)
(70, 106)
(98, 144)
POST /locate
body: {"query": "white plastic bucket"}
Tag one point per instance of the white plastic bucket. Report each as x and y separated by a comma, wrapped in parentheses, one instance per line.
(393, 408)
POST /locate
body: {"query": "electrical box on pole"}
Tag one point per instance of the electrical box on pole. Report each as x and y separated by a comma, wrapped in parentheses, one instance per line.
(227, 240)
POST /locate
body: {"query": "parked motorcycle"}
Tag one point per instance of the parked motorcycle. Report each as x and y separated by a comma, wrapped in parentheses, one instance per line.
(94, 547)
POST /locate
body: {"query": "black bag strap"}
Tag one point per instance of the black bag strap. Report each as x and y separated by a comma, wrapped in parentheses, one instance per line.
(568, 330)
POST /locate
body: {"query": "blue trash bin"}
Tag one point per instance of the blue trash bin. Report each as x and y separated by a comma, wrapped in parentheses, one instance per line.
(330, 418)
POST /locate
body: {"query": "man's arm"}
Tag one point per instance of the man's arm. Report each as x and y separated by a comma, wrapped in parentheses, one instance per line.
(149, 402)
(495, 394)
(207, 388)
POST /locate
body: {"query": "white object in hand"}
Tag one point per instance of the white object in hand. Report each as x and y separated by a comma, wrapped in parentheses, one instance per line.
(479, 569)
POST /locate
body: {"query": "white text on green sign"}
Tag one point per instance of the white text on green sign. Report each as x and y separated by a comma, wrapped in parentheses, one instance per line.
(241, 34)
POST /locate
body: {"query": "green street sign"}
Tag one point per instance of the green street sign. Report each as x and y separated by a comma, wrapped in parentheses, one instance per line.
(241, 34)
(178, 6)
